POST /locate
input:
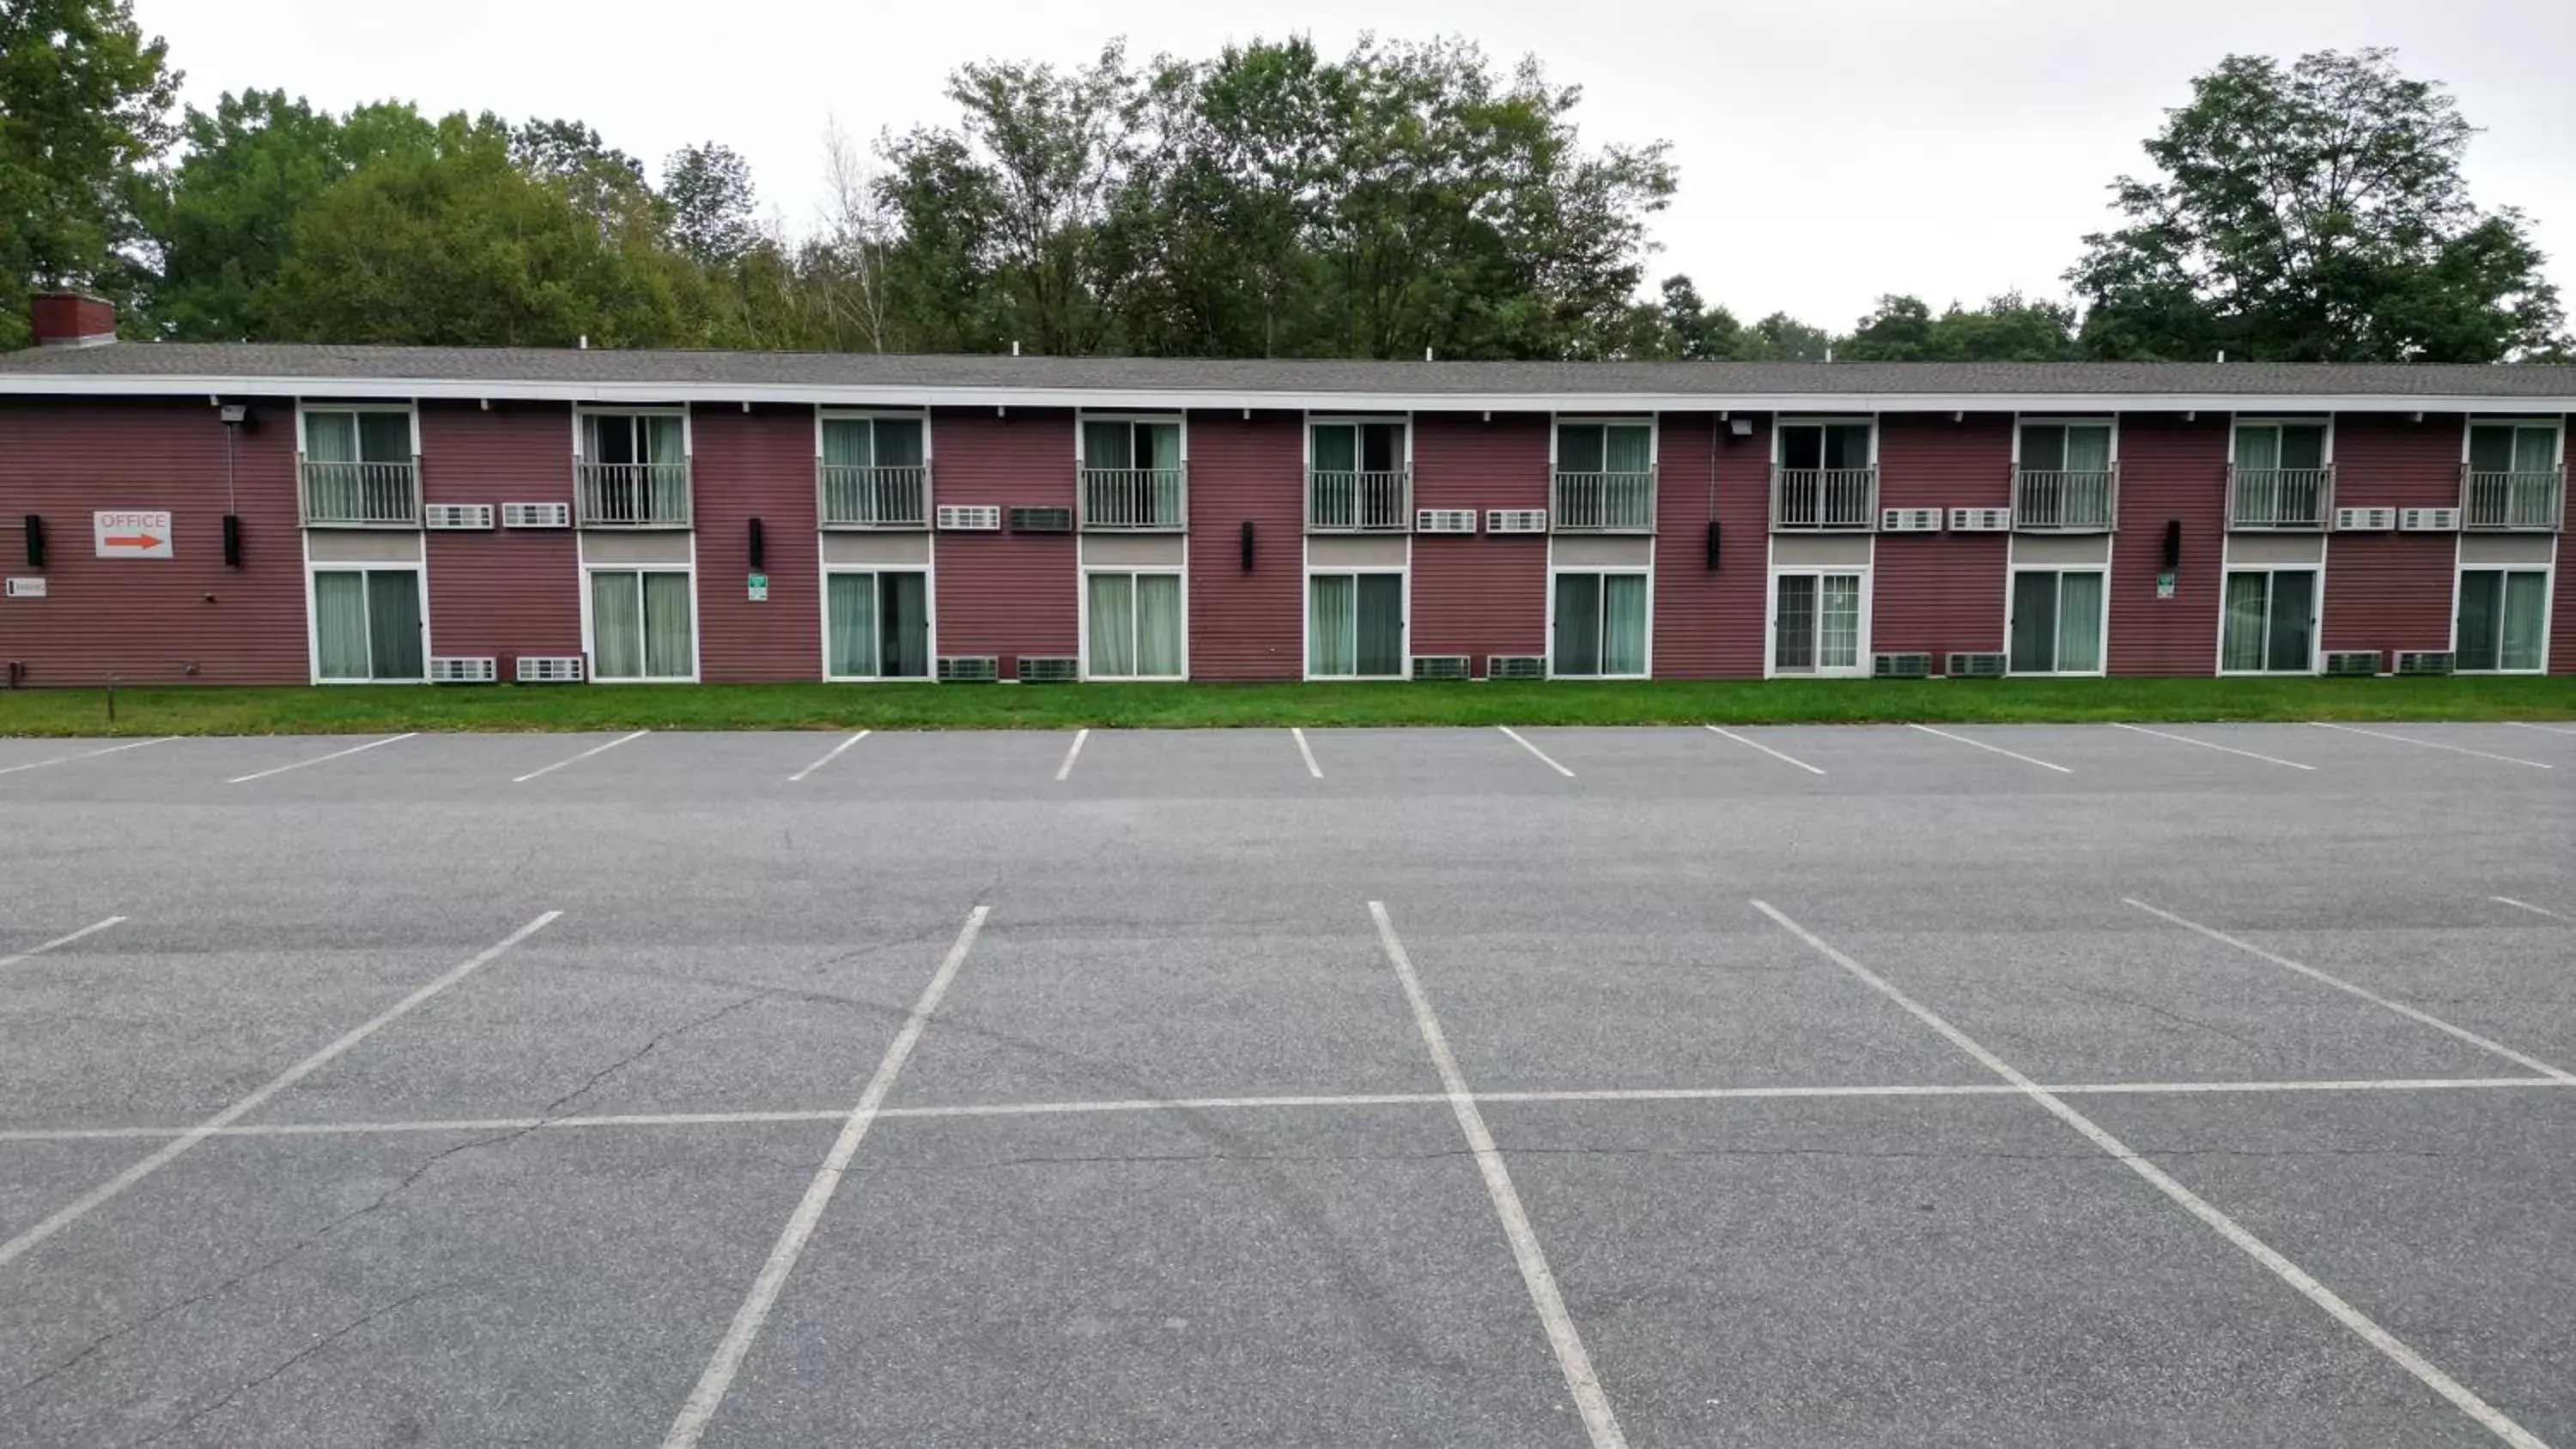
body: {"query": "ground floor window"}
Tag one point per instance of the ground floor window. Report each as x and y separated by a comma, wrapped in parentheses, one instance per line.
(367, 624)
(2057, 621)
(641, 625)
(1355, 626)
(2271, 622)
(1600, 625)
(1816, 623)
(877, 625)
(2503, 613)
(1135, 625)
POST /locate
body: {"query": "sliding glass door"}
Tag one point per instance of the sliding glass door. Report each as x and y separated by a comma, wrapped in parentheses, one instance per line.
(2271, 622)
(641, 625)
(1134, 629)
(1816, 623)
(1355, 626)
(367, 625)
(2057, 621)
(2504, 616)
(877, 625)
(1600, 626)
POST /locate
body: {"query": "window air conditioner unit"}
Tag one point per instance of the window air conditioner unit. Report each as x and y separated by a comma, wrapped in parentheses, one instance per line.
(457, 515)
(1975, 666)
(1444, 520)
(969, 668)
(2364, 520)
(2355, 663)
(536, 515)
(549, 669)
(1900, 666)
(1051, 670)
(1039, 520)
(463, 671)
(1439, 666)
(2428, 520)
(1909, 520)
(2423, 661)
(1516, 520)
(1516, 666)
(961, 518)
(1980, 520)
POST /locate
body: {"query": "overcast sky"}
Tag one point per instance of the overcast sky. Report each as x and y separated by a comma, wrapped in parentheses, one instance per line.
(1829, 151)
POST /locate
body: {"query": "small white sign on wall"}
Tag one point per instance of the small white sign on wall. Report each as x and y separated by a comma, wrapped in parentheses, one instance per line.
(131, 533)
(24, 589)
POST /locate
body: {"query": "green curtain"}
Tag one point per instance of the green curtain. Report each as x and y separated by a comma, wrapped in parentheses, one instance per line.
(903, 625)
(1846, 445)
(2535, 450)
(1628, 449)
(2292, 626)
(2303, 445)
(2087, 450)
(340, 624)
(2079, 623)
(1838, 641)
(1623, 624)
(2258, 448)
(1158, 625)
(1113, 625)
(850, 609)
(384, 437)
(2481, 593)
(848, 443)
(1578, 624)
(661, 438)
(2241, 645)
(2043, 448)
(1336, 448)
(1331, 620)
(1109, 445)
(393, 624)
(2525, 604)
(1381, 625)
(667, 651)
(616, 625)
(2034, 622)
(899, 443)
(1579, 448)
(331, 437)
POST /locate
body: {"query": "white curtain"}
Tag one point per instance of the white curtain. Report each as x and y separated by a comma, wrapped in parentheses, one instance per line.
(2079, 622)
(661, 438)
(2242, 647)
(1623, 624)
(849, 442)
(340, 624)
(2258, 448)
(331, 437)
(1113, 625)
(667, 651)
(2088, 450)
(1628, 449)
(616, 626)
(851, 602)
(1158, 625)
(1109, 445)
(2525, 603)
(1331, 620)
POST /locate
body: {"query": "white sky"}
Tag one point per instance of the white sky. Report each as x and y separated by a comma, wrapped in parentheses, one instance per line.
(1828, 151)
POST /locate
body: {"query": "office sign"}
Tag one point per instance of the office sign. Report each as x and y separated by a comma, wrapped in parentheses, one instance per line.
(131, 533)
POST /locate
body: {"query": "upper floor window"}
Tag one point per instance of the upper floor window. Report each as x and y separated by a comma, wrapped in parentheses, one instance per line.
(2513, 447)
(359, 467)
(633, 470)
(1357, 480)
(1132, 474)
(2297, 447)
(1605, 447)
(1144, 444)
(874, 473)
(1831, 446)
(1358, 447)
(370, 435)
(632, 438)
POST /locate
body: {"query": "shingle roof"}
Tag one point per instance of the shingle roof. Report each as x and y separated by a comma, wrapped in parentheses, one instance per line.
(574, 369)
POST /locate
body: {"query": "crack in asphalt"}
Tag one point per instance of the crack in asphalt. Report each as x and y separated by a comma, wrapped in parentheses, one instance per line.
(319, 1344)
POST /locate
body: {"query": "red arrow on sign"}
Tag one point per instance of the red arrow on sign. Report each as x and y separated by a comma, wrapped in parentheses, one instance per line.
(132, 540)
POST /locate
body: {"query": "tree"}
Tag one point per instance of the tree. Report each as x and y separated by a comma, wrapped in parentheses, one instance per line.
(2314, 214)
(84, 107)
(709, 194)
(1783, 338)
(2008, 328)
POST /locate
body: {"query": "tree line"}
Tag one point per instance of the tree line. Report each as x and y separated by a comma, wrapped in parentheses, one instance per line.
(1269, 201)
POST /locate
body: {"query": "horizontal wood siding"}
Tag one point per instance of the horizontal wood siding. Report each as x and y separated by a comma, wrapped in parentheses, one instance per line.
(758, 464)
(1937, 593)
(1481, 595)
(1247, 623)
(1699, 612)
(186, 619)
(513, 591)
(2389, 591)
(2169, 469)
(1739, 593)
(1001, 593)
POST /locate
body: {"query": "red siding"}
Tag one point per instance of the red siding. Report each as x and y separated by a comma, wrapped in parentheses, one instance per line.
(1480, 595)
(758, 464)
(1701, 617)
(1944, 592)
(1247, 624)
(1004, 594)
(513, 591)
(1739, 595)
(183, 619)
(2391, 591)
(2169, 469)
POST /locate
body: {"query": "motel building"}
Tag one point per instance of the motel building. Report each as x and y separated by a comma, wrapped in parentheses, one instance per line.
(270, 514)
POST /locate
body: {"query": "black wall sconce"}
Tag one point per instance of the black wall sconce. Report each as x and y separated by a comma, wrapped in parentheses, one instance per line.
(35, 541)
(1712, 545)
(1247, 545)
(758, 545)
(232, 541)
(2173, 544)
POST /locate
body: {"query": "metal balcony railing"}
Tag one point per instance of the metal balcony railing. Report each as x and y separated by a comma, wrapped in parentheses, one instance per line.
(1135, 500)
(377, 495)
(853, 496)
(1602, 503)
(631, 495)
(1824, 499)
(2279, 498)
(1345, 502)
(2065, 500)
(2512, 502)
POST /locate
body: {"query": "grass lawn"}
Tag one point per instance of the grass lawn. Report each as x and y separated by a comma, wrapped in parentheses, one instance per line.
(393, 708)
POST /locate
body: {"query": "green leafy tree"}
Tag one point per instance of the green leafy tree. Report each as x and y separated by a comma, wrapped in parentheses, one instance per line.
(2315, 213)
(2009, 328)
(84, 107)
(1783, 338)
(708, 192)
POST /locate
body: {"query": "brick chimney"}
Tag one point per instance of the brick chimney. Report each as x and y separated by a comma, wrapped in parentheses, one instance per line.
(72, 319)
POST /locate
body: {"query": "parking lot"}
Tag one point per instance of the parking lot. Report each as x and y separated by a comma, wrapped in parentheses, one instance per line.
(2190, 1084)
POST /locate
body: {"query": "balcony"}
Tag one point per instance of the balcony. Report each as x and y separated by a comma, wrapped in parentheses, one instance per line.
(1824, 500)
(1341, 502)
(2512, 502)
(2065, 500)
(631, 495)
(2279, 499)
(854, 496)
(361, 495)
(1602, 503)
(1135, 500)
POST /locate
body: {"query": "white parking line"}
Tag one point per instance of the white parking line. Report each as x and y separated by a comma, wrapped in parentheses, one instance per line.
(1998, 749)
(318, 759)
(1064, 771)
(95, 927)
(829, 757)
(1535, 750)
(2430, 744)
(2373, 997)
(2507, 900)
(1306, 752)
(2206, 745)
(1766, 749)
(703, 1400)
(2544, 729)
(171, 1151)
(2226, 1227)
(86, 755)
(1571, 1359)
(577, 759)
